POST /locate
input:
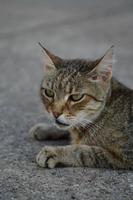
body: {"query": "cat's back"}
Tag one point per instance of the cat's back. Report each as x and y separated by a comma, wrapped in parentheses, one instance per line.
(119, 115)
(121, 101)
(125, 111)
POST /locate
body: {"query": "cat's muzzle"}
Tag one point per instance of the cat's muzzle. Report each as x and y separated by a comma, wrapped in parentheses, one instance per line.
(60, 123)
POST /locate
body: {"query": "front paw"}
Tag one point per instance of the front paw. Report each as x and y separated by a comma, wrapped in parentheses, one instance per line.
(47, 157)
(39, 132)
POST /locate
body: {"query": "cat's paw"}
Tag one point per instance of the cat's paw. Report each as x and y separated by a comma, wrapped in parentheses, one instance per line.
(47, 157)
(38, 132)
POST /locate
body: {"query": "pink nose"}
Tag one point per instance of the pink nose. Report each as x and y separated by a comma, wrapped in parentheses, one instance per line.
(56, 114)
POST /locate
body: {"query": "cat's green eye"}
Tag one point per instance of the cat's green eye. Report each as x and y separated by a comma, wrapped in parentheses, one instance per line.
(77, 97)
(48, 93)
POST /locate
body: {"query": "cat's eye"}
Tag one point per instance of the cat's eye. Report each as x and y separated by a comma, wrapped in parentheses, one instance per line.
(77, 97)
(48, 93)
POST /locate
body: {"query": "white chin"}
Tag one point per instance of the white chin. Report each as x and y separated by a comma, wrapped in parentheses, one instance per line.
(62, 127)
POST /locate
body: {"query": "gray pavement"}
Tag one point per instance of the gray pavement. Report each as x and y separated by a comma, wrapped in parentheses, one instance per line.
(69, 29)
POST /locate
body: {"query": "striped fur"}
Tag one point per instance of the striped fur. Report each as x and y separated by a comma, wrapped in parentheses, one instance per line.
(100, 125)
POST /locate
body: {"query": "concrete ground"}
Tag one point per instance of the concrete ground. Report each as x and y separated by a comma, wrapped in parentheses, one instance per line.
(70, 29)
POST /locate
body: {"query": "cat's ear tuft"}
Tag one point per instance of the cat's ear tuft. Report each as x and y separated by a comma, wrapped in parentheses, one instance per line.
(50, 60)
(103, 70)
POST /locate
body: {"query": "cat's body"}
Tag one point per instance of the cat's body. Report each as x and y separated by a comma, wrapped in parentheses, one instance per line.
(113, 129)
(99, 117)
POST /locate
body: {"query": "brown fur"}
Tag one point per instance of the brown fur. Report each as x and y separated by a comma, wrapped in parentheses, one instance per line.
(100, 124)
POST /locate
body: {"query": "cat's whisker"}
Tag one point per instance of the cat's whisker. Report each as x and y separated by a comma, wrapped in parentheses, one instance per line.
(89, 125)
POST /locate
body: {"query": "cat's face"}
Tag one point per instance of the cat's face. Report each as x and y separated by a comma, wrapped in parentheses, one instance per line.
(74, 91)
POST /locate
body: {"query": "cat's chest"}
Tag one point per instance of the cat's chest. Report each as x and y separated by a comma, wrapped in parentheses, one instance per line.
(86, 136)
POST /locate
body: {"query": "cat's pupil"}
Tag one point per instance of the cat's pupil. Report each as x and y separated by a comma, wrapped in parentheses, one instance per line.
(49, 92)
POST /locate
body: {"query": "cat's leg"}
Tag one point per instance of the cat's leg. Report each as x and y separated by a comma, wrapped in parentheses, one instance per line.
(46, 131)
(76, 156)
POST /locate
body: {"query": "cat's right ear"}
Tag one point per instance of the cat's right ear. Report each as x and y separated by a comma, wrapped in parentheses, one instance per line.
(51, 61)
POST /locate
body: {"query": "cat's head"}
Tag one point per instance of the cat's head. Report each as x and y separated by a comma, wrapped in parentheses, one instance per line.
(74, 91)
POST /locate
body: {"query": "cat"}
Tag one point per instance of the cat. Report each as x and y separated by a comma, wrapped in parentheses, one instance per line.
(83, 98)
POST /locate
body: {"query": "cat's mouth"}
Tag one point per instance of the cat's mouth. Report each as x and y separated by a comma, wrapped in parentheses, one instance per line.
(61, 124)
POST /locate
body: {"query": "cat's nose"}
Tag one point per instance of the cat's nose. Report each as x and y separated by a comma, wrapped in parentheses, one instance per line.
(56, 114)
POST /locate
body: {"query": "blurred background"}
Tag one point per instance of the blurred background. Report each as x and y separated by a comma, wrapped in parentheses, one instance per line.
(68, 28)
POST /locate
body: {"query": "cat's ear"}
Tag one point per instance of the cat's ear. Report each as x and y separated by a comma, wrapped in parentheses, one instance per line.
(50, 60)
(103, 70)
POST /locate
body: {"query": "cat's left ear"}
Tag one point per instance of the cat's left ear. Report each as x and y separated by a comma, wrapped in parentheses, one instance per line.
(103, 70)
(50, 60)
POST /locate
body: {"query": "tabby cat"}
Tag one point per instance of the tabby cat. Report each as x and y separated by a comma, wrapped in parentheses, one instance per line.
(84, 99)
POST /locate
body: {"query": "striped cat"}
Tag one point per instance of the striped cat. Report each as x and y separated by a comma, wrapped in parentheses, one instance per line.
(85, 100)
